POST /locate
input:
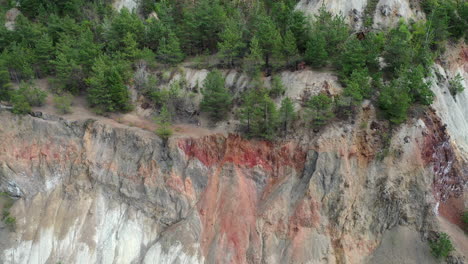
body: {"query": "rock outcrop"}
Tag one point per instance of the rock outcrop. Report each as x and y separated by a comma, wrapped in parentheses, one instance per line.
(95, 193)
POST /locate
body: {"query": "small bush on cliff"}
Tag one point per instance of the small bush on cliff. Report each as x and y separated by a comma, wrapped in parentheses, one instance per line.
(20, 104)
(34, 95)
(465, 219)
(394, 101)
(163, 121)
(455, 85)
(320, 110)
(286, 114)
(63, 103)
(441, 247)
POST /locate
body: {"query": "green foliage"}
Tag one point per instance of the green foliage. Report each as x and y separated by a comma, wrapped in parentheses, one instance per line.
(441, 247)
(217, 99)
(163, 121)
(352, 58)
(201, 25)
(25, 97)
(169, 50)
(277, 87)
(107, 85)
(359, 54)
(33, 8)
(5, 83)
(316, 50)
(19, 61)
(252, 63)
(130, 50)
(20, 104)
(299, 25)
(447, 18)
(231, 44)
(44, 51)
(320, 110)
(398, 50)
(259, 114)
(286, 114)
(33, 95)
(464, 218)
(394, 100)
(413, 79)
(63, 103)
(333, 29)
(269, 38)
(69, 75)
(358, 86)
(455, 85)
(123, 23)
(290, 51)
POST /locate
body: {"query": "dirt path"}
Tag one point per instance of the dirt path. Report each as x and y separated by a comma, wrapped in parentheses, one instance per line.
(81, 111)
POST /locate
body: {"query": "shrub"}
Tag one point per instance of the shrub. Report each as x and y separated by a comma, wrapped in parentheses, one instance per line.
(455, 85)
(320, 110)
(465, 217)
(33, 95)
(395, 101)
(441, 247)
(63, 103)
(20, 104)
(277, 87)
(163, 121)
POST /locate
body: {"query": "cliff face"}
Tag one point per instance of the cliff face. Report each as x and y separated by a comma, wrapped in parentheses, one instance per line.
(98, 193)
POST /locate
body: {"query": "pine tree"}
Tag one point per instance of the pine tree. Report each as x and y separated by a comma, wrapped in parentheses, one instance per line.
(107, 90)
(44, 51)
(19, 60)
(269, 38)
(259, 114)
(231, 44)
(316, 52)
(398, 49)
(5, 83)
(286, 114)
(299, 26)
(290, 50)
(169, 50)
(163, 121)
(277, 87)
(358, 86)
(216, 98)
(394, 100)
(320, 110)
(68, 73)
(419, 90)
(352, 57)
(130, 50)
(253, 60)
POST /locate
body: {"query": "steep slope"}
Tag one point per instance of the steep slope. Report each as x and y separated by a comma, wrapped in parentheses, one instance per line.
(92, 193)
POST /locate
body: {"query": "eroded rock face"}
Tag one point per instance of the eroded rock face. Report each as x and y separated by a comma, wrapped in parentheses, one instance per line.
(95, 193)
(131, 5)
(385, 13)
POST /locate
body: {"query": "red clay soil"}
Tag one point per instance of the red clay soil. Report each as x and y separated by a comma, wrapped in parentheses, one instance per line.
(228, 207)
(234, 149)
(449, 180)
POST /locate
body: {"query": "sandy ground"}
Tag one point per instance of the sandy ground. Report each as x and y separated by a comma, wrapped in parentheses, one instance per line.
(81, 111)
